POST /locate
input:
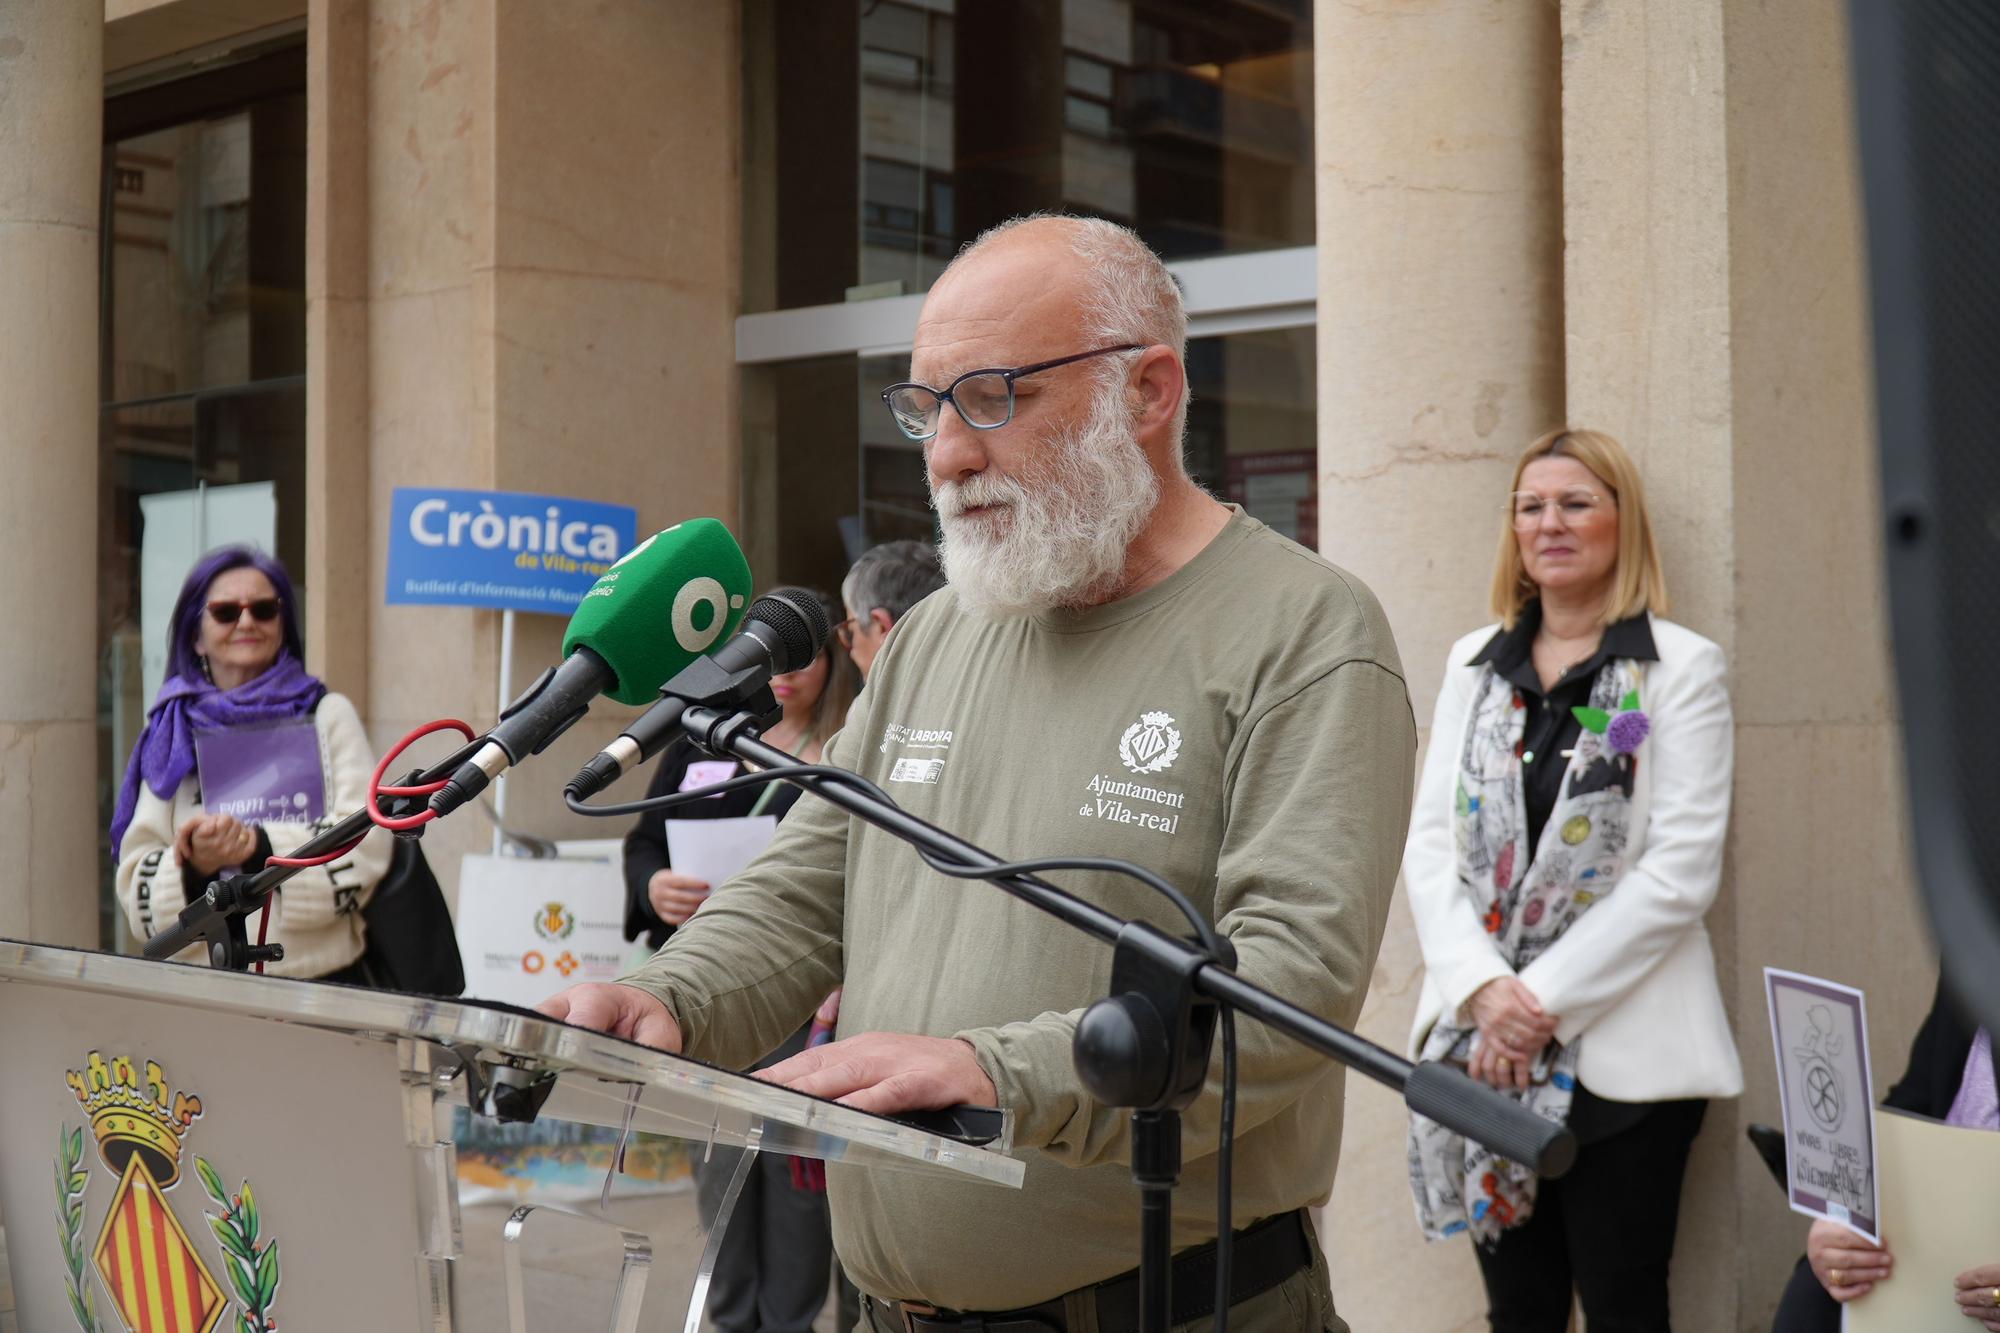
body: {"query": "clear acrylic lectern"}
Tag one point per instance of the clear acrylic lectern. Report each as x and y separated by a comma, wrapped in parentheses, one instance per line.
(184, 1150)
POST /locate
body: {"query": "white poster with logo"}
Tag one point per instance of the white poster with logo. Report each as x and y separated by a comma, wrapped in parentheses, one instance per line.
(528, 928)
(1820, 1031)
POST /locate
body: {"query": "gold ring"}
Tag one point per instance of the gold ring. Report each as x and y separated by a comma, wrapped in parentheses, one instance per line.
(1996, 1296)
(1504, 1062)
(1835, 1275)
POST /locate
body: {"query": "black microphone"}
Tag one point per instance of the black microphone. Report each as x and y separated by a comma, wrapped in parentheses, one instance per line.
(781, 632)
(548, 709)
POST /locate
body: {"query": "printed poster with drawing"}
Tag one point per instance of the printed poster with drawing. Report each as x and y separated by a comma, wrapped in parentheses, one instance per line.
(1820, 1032)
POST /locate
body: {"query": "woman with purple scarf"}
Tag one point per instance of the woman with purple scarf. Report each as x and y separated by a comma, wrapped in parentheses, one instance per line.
(237, 698)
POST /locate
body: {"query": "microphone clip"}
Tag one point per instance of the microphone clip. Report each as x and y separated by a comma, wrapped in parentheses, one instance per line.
(713, 730)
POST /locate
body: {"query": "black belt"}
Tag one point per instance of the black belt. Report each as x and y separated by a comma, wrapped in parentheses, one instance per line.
(1264, 1255)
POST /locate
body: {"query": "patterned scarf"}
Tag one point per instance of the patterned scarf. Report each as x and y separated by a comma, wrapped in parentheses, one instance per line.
(164, 754)
(1526, 905)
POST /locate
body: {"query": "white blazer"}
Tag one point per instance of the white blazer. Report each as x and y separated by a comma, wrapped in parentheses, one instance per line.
(1635, 972)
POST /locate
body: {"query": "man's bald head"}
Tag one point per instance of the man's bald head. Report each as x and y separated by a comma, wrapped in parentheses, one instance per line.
(1085, 276)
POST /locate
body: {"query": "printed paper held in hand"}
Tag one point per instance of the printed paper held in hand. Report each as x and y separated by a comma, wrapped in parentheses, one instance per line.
(713, 850)
(1820, 1032)
(1940, 1218)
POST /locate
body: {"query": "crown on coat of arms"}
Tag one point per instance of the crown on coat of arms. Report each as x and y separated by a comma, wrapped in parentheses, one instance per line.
(131, 1112)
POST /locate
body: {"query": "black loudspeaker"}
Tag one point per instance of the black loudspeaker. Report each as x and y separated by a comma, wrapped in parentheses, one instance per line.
(1927, 94)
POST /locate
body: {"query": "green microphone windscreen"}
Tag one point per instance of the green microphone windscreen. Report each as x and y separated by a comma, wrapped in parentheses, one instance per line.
(670, 599)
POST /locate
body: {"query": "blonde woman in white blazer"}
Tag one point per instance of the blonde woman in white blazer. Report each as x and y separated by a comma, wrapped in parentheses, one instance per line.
(1566, 842)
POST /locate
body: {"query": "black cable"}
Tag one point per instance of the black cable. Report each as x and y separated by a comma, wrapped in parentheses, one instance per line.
(816, 773)
(756, 778)
(1203, 929)
(1225, 1240)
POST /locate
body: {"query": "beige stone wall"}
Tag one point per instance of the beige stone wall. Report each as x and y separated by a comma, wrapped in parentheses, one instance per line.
(1709, 304)
(1647, 303)
(51, 124)
(1820, 857)
(523, 250)
(1439, 357)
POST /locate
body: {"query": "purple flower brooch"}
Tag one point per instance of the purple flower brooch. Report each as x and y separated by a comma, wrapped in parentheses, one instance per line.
(1623, 731)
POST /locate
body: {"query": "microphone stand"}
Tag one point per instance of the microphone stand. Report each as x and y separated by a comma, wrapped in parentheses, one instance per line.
(1146, 1046)
(215, 920)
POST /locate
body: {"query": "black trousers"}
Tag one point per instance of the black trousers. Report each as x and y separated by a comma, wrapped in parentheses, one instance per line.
(1605, 1230)
(777, 1252)
(1805, 1306)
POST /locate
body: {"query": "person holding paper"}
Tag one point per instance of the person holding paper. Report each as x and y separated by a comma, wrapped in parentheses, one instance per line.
(1950, 1078)
(771, 1272)
(281, 758)
(815, 699)
(1566, 842)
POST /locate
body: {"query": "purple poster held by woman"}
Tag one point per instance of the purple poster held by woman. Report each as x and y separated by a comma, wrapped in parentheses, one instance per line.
(262, 775)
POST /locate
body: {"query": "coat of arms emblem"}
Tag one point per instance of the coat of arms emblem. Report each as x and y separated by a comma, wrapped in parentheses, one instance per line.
(1151, 744)
(153, 1271)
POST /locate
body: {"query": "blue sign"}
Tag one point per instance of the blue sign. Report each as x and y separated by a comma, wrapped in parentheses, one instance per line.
(502, 549)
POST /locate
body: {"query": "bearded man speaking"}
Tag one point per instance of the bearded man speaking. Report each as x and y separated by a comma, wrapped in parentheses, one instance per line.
(1120, 666)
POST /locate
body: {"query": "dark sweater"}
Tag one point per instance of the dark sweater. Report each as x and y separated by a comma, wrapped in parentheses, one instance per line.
(1937, 1059)
(646, 844)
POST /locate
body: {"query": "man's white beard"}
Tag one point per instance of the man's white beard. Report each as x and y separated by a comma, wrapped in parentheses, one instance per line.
(1062, 536)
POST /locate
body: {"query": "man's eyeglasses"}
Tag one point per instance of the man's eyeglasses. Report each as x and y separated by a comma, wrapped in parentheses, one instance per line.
(843, 633)
(1574, 506)
(984, 399)
(263, 610)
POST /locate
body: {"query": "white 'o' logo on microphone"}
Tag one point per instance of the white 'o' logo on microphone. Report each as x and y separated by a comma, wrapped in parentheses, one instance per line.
(692, 594)
(1151, 744)
(637, 549)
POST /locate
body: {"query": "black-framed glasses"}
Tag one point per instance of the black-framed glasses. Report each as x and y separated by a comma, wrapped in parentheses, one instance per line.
(984, 399)
(263, 610)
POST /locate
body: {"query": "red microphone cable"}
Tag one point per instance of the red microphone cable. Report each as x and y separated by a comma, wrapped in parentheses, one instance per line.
(375, 790)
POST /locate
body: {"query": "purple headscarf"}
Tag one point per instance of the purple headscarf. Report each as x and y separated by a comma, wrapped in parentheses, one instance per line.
(187, 703)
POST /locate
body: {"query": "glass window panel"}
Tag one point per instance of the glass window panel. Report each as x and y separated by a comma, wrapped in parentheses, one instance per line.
(207, 253)
(1191, 123)
(202, 344)
(1093, 78)
(892, 68)
(1087, 117)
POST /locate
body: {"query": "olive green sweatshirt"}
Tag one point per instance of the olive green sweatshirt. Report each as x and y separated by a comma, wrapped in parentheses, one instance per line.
(1243, 729)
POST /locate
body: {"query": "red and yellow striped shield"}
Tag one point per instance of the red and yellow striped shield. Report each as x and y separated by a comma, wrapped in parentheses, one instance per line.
(150, 1267)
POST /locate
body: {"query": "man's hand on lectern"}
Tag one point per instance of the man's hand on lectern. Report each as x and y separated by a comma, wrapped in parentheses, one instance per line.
(886, 1072)
(622, 1011)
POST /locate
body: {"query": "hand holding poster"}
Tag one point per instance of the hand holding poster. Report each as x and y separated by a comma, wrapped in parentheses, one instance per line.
(1820, 1032)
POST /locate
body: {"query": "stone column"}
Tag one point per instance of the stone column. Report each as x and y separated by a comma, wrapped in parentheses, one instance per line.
(51, 154)
(1440, 318)
(551, 292)
(1713, 291)
(337, 352)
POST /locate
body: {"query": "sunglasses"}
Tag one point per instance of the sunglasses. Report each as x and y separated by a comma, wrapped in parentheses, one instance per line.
(263, 610)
